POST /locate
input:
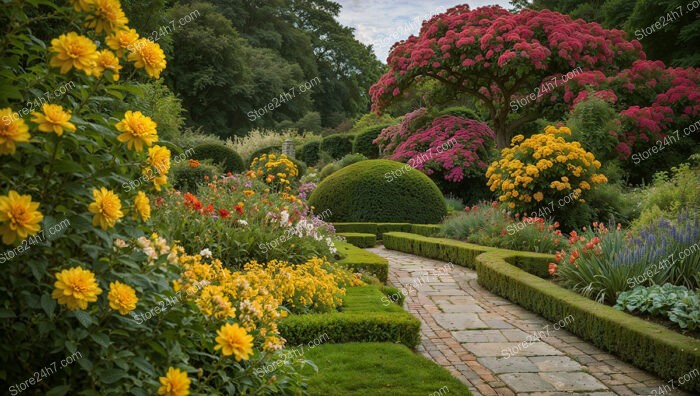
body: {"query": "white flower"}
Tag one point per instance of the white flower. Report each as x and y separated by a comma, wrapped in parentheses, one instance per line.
(284, 218)
(242, 222)
(172, 257)
(151, 253)
(119, 243)
(205, 253)
(143, 242)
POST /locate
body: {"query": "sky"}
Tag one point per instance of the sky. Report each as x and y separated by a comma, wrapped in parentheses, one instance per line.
(384, 22)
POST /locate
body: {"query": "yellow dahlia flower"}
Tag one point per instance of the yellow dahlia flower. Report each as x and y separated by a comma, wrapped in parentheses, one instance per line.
(53, 119)
(82, 5)
(234, 340)
(75, 288)
(159, 181)
(122, 297)
(72, 50)
(148, 54)
(159, 158)
(106, 60)
(122, 40)
(175, 383)
(19, 217)
(106, 15)
(143, 206)
(13, 130)
(107, 208)
(137, 130)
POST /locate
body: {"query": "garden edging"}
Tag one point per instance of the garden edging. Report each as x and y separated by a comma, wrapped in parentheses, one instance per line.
(507, 273)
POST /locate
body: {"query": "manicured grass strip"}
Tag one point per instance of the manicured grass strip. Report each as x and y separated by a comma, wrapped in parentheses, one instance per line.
(370, 369)
(359, 239)
(645, 344)
(367, 316)
(357, 260)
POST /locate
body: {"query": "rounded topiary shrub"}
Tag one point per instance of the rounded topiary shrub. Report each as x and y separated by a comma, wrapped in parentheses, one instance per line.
(379, 191)
(309, 152)
(188, 179)
(337, 145)
(229, 160)
(363, 141)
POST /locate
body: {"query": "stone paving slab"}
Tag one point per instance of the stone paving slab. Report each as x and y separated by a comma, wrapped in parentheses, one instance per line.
(499, 348)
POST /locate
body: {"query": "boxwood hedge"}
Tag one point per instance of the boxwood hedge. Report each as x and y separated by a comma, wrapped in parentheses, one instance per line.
(229, 160)
(337, 145)
(363, 141)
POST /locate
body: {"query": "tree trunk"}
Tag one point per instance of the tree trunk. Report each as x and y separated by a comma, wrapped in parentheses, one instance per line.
(503, 135)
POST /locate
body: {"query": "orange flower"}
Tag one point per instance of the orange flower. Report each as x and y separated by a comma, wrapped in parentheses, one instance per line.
(552, 268)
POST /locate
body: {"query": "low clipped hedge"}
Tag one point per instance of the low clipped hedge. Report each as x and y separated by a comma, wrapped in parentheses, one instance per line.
(337, 145)
(359, 239)
(425, 229)
(647, 345)
(229, 160)
(310, 152)
(187, 179)
(363, 141)
(358, 260)
(373, 228)
(365, 317)
(379, 191)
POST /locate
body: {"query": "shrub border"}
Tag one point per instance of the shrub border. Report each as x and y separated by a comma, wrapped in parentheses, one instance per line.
(358, 260)
(359, 239)
(647, 345)
(355, 326)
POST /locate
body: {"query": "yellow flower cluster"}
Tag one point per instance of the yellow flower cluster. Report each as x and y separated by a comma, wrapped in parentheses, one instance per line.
(72, 50)
(226, 295)
(314, 286)
(274, 170)
(76, 287)
(543, 166)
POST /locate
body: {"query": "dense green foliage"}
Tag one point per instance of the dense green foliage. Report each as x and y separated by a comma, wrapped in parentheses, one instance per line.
(309, 152)
(338, 145)
(219, 154)
(359, 239)
(363, 141)
(267, 64)
(379, 191)
(188, 179)
(359, 260)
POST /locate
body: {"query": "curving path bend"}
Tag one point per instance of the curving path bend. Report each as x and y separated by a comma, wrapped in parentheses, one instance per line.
(498, 348)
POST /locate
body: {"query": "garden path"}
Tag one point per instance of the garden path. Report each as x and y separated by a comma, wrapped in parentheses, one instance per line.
(499, 348)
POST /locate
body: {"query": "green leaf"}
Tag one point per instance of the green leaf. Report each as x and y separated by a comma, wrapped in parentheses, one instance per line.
(101, 339)
(6, 313)
(58, 390)
(84, 318)
(48, 304)
(111, 376)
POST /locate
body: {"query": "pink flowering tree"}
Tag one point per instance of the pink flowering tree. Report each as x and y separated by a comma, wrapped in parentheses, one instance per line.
(652, 100)
(454, 151)
(507, 62)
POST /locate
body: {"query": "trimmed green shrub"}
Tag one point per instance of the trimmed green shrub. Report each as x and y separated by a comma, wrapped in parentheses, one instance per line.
(363, 141)
(229, 160)
(425, 229)
(394, 295)
(187, 179)
(647, 345)
(310, 152)
(337, 145)
(391, 227)
(358, 260)
(359, 239)
(366, 228)
(328, 170)
(379, 191)
(365, 318)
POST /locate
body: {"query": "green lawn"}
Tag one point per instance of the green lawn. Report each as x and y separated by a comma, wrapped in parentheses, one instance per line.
(377, 369)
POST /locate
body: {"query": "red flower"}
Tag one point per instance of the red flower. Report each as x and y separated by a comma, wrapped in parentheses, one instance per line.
(239, 208)
(159, 201)
(466, 208)
(552, 268)
(494, 204)
(223, 213)
(208, 209)
(504, 232)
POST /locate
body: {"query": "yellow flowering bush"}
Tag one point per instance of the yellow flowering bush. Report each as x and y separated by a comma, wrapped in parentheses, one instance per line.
(542, 171)
(277, 171)
(82, 269)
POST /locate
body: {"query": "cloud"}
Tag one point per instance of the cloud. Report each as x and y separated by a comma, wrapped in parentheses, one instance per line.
(382, 23)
